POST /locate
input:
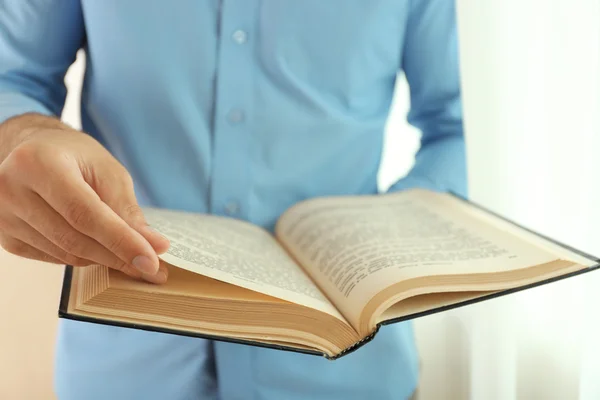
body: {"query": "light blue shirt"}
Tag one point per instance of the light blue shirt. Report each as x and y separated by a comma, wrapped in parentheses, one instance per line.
(240, 108)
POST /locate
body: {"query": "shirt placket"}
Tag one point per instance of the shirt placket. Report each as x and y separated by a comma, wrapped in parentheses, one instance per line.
(232, 136)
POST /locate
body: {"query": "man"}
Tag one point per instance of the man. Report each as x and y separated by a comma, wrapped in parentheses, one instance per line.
(231, 107)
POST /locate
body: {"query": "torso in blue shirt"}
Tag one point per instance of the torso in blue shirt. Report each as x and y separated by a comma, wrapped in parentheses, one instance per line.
(243, 107)
(240, 108)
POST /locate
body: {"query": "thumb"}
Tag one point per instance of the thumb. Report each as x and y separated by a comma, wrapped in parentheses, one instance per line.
(118, 193)
(131, 213)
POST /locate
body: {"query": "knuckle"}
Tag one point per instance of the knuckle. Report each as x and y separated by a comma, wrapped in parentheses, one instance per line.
(132, 212)
(24, 156)
(112, 178)
(78, 215)
(69, 242)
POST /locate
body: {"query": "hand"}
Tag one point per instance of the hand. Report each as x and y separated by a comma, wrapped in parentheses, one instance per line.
(65, 199)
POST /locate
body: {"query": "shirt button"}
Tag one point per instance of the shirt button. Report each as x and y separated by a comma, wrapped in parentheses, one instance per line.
(236, 116)
(231, 208)
(239, 36)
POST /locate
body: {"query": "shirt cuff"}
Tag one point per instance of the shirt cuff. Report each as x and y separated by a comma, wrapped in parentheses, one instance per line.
(13, 104)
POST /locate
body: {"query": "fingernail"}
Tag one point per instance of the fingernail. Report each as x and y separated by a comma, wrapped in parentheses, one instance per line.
(145, 265)
(160, 277)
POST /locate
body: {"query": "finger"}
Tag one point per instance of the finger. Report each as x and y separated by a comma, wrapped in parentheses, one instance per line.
(36, 218)
(24, 232)
(134, 216)
(22, 249)
(122, 200)
(41, 226)
(160, 243)
(67, 193)
(159, 278)
(47, 221)
(163, 273)
(50, 219)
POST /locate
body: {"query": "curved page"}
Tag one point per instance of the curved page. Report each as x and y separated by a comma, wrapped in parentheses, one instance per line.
(235, 252)
(355, 247)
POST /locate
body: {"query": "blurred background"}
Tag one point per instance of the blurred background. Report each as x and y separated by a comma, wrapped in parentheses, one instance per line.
(531, 92)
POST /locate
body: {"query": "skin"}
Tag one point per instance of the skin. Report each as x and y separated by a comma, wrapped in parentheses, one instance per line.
(65, 199)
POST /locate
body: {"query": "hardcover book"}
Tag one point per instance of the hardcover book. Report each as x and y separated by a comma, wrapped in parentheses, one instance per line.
(334, 272)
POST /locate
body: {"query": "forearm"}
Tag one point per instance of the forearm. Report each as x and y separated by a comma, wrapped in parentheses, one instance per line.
(431, 66)
(38, 43)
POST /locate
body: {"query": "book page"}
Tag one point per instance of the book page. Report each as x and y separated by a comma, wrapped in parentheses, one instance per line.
(235, 252)
(355, 247)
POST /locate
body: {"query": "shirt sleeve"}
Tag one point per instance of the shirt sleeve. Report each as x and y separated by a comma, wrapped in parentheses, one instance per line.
(39, 40)
(430, 63)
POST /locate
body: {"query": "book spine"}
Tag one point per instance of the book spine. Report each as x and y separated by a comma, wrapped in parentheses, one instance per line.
(355, 346)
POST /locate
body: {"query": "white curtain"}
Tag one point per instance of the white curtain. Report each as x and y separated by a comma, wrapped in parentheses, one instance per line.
(531, 87)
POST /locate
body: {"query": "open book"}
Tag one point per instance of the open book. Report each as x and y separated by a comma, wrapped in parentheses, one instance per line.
(335, 271)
